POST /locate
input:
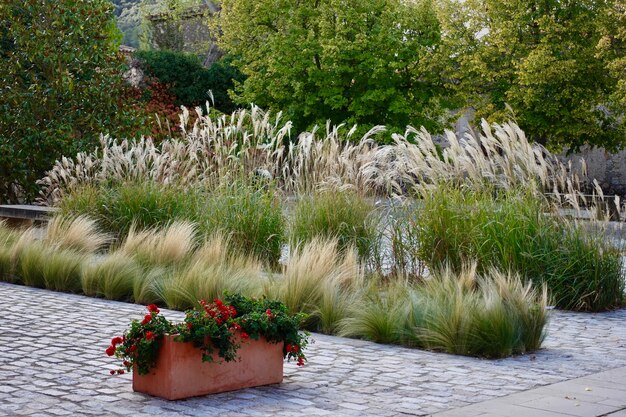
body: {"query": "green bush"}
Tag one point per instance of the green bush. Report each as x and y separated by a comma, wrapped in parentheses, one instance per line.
(189, 81)
(60, 87)
(345, 216)
(512, 231)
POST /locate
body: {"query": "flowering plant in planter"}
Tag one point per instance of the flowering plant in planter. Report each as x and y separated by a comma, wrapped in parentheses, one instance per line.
(140, 344)
(218, 327)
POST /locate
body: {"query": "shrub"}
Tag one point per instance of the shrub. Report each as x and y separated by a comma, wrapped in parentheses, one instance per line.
(189, 81)
(60, 87)
(345, 216)
(511, 231)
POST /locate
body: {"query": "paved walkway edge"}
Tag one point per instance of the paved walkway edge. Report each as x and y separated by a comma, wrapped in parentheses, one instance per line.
(596, 395)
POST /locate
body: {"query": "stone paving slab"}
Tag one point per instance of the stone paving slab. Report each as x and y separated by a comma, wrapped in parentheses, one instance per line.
(600, 394)
(52, 363)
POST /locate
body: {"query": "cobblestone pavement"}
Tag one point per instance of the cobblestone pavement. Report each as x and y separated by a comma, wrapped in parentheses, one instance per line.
(52, 362)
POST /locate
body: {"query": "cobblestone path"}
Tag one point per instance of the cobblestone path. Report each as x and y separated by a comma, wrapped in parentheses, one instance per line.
(52, 362)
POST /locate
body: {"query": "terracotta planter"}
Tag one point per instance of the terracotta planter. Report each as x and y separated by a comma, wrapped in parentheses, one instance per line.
(180, 373)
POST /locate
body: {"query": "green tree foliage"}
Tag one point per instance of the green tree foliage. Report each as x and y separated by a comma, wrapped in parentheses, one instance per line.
(550, 60)
(355, 61)
(60, 86)
(189, 81)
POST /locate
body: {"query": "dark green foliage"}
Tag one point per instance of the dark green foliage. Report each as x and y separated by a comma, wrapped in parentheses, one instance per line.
(357, 61)
(60, 87)
(189, 81)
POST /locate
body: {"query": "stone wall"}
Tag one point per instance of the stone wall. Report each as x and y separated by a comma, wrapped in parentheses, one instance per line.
(608, 168)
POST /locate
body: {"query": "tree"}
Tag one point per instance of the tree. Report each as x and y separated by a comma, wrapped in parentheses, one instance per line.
(60, 86)
(355, 61)
(544, 59)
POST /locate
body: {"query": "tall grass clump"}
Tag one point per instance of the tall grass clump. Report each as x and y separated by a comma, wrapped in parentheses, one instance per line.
(112, 277)
(492, 316)
(379, 314)
(517, 231)
(320, 280)
(62, 269)
(251, 218)
(170, 245)
(7, 239)
(213, 269)
(118, 206)
(342, 215)
(80, 233)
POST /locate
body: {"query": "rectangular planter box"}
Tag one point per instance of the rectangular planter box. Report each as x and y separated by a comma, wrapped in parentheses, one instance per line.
(180, 373)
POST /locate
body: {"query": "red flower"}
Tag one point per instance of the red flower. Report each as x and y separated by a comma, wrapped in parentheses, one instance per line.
(112, 372)
(110, 350)
(116, 341)
(244, 335)
(133, 348)
(149, 335)
(126, 363)
(146, 319)
(120, 371)
(295, 349)
(288, 347)
(269, 313)
(300, 361)
(153, 308)
(189, 326)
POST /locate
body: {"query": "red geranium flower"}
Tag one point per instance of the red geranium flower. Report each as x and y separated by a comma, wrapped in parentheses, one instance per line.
(244, 335)
(110, 350)
(149, 335)
(269, 313)
(116, 341)
(133, 348)
(153, 308)
(146, 319)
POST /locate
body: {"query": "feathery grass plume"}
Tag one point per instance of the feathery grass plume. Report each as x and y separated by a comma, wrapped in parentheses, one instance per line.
(79, 233)
(309, 266)
(113, 277)
(379, 314)
(339, 292)
(214, 269)
(62, 269)
(343, 215)
(170, 245)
